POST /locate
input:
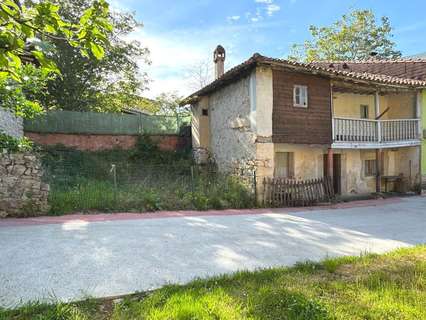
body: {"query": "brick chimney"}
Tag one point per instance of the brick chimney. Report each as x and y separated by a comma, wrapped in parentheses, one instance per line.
(219, 61)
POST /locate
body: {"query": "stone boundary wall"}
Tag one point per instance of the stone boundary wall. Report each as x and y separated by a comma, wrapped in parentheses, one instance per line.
(22, 192)
(97, 142)
(10, 124)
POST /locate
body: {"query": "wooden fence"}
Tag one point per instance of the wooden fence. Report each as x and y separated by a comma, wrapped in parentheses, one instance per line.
(280, 192)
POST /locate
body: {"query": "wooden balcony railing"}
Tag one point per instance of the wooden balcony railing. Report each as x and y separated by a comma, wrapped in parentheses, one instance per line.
(364, 130)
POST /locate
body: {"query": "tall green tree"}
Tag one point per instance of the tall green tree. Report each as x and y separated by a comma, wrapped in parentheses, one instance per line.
(27, 32)
(354, 37)
(89, 84)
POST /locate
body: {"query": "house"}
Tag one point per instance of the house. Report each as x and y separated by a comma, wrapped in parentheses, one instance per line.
(414, 68)
(303, 121)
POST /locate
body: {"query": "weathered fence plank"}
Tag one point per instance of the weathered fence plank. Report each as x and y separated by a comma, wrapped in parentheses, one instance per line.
(279, 192)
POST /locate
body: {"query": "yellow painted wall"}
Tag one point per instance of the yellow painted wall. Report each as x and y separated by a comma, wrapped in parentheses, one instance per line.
(308, 160)
(402, 105)
(398, 161)
(200, 125)
(347, 105)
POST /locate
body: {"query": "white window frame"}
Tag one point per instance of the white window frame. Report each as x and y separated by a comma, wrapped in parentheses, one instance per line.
(302, 89)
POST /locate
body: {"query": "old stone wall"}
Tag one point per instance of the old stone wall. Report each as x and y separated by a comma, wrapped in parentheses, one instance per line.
(232, 141)
(11, 125)
(22, 192)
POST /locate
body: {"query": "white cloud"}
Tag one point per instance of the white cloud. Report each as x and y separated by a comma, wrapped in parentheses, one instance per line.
(264, 1)
(173, 54)
(233, 18)
(272, 8)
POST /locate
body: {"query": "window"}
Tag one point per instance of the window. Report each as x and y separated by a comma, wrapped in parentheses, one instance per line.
(370, 168)
(284, 165)
(205, 112)
(364, 111)
(300, 96)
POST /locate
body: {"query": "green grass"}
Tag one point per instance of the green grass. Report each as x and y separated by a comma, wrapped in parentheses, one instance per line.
(147, 179)
(160, 194)
(391, 286)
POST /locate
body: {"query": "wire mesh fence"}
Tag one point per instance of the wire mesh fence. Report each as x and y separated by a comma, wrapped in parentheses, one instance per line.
(109, 186)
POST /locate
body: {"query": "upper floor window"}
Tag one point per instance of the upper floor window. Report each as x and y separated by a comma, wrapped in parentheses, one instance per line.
(364, 111)
(300, 96)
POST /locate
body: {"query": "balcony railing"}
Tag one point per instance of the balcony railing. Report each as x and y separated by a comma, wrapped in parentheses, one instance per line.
(381, 131)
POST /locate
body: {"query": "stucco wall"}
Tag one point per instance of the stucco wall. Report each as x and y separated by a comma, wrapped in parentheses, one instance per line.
(399, 161)
(308, 160)
(200, 124)
(232, 141)
(402, 105)
(10, 124)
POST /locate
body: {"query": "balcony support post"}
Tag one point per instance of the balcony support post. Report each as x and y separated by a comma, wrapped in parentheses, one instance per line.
(379, 170)
(377, 109)
(419, 113)
(330, 163)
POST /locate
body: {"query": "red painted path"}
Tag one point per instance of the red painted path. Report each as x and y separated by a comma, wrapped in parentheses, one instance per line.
(177, 214)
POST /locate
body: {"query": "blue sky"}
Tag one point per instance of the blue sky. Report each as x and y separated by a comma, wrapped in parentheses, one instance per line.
(181, 33)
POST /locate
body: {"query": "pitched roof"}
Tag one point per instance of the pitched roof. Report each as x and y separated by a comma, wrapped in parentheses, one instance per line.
(414, 69)
(323, 69)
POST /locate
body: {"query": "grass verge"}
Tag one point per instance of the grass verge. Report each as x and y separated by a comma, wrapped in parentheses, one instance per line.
(390, 286)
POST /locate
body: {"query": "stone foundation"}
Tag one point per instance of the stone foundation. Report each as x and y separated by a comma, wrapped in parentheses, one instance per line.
(22, 192)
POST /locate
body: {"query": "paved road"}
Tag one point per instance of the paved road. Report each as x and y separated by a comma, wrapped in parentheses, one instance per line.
(77, 258)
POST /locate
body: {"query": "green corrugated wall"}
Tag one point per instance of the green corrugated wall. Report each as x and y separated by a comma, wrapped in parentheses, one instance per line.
(104, 123)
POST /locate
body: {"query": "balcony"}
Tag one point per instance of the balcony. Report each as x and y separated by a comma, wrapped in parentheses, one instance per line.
(370, 134)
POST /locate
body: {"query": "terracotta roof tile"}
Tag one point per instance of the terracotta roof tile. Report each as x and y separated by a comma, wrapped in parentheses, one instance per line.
(414, 69)
(370, 71)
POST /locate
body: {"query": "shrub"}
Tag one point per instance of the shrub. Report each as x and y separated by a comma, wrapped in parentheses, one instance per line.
(12, 144)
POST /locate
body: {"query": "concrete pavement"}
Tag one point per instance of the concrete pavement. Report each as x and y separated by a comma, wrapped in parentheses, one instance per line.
(74, 257)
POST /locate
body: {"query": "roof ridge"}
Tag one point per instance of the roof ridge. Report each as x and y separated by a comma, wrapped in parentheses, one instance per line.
(258, 58)
(378, 61)
(343, 72)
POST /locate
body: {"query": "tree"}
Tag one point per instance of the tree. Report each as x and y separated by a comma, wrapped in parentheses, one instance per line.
(168, 103)
(86, 83)
(27, 32)
(200, 74)
(355, 37)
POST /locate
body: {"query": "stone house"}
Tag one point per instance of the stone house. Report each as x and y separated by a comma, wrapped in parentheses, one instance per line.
(304, 121)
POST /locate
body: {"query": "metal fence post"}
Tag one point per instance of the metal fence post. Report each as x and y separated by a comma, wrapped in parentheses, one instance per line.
(114, 177)
(255, 186)
(192, 179)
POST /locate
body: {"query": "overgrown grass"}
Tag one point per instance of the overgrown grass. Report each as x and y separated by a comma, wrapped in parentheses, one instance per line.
(391, 286)
(143, 179)
(92, 195)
